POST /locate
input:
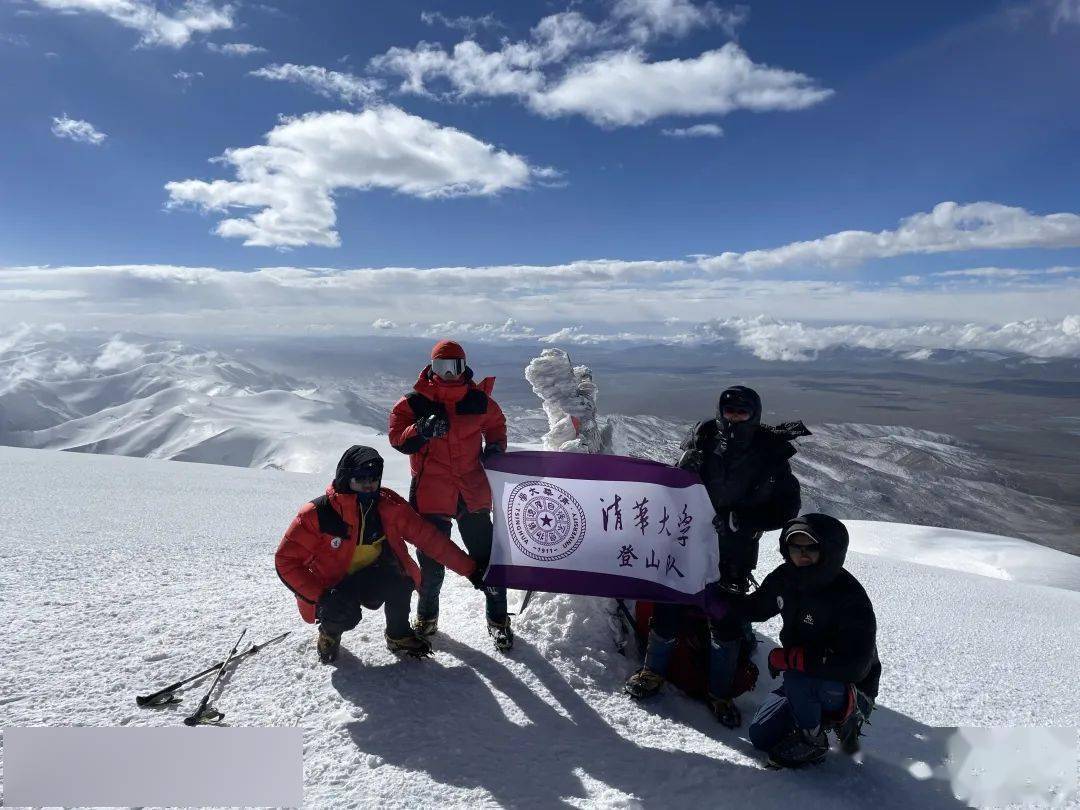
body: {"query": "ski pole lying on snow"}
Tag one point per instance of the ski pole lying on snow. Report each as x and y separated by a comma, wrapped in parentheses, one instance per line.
(165, 696)
(207, 714)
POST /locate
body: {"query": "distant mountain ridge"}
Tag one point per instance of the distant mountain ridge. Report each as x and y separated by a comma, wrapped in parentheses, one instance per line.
(137, 396)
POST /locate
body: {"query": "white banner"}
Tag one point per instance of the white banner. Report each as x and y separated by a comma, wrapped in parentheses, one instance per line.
(600, 525)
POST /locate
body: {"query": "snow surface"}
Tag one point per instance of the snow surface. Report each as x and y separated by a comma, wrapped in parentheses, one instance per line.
(118, 575)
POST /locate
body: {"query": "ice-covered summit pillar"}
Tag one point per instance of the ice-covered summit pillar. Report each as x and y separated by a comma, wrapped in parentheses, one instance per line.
(568, 396)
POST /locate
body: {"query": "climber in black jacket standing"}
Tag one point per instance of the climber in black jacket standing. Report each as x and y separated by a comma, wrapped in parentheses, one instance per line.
(744, 466)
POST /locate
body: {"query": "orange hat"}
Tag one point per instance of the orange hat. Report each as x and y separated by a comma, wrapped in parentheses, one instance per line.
(447, 350)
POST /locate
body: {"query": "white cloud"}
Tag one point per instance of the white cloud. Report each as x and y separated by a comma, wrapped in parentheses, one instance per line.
(771, 339)
(18, 40)
(329, 83)
(156, 27)
(76, 130)
(117, 354)
(235, 48)
(383, 323)
(293, 177)
(469, 25)
(187, 77)
(949, 227)
(508, 330)
(1066, 12)
(623, 89)
(469, 69)
(601, 297)
(648, 19)
(696, 131)
(552, 74)
(998, 273)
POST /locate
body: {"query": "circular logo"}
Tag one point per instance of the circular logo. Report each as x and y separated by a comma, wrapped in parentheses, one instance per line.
(546, 522)
(335, 543)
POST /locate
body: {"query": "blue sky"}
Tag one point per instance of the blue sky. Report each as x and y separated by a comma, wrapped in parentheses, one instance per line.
(547, 133)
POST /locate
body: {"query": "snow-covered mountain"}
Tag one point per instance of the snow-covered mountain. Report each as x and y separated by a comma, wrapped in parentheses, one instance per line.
(123, 574)
(138, 396)
(144, 397)
(882, 472)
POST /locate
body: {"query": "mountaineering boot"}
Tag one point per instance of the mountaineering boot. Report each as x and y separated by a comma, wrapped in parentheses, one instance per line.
(647, 681)
(725, 711)
(800, 747)
(328, 645)
(426, 627)
(643, 684)
(412, 645)
(502, 634)
(848, 733)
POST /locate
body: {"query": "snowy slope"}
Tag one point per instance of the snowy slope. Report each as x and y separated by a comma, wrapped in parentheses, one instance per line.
(119, 574)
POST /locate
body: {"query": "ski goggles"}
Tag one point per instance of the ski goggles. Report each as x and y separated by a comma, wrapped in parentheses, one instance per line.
(448, 365)
(802, 545)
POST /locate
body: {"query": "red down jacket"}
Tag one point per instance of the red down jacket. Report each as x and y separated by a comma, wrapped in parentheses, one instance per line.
(309, 560)
(448, 468)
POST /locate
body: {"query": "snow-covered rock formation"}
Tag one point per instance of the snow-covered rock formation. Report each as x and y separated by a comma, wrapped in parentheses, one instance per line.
(568, 396)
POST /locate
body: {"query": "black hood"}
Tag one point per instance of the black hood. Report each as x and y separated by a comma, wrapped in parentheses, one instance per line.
(833, 536)
(739, 433)
(355, 456)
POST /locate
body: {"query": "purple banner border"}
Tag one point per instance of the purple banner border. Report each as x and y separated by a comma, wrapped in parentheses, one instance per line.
(586, 466)
(586, 583)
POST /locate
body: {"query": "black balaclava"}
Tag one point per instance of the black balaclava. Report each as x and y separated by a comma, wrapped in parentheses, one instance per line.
(739, 434)
(833, 537)
(358, 458)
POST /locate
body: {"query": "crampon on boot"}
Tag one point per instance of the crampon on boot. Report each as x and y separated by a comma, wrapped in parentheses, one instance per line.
(423, 626)
(725, 711)
(799, 748)
(328, 645)
(411, 645)
(847, 724)
(501, 633)
(643, 684)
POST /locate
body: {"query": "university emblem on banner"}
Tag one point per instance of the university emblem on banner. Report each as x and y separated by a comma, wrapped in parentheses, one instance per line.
(546, 522)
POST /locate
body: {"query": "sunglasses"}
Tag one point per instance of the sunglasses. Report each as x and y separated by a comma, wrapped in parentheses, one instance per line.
(736, 411)
(448, 365)
(808, 548)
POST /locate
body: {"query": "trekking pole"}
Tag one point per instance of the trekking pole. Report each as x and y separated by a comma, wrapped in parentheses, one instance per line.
(625, 611)
(205, 713)
(525, 602)
(165, 696)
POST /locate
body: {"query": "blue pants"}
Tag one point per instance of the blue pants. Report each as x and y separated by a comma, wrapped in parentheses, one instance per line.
(725, 643)
(798, 703)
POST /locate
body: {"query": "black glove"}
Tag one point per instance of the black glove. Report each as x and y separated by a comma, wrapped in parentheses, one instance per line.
(490, 450)
(432, 426)
(726, 523)
(477, 576)
(691, 461)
